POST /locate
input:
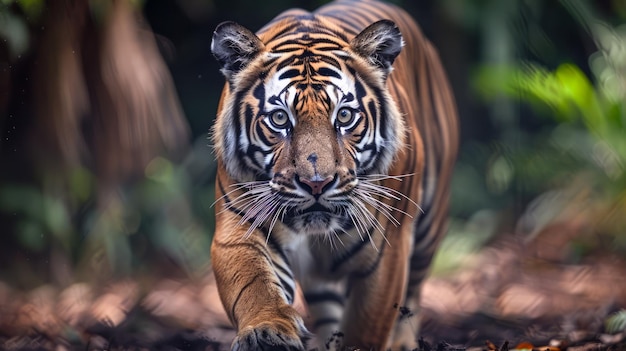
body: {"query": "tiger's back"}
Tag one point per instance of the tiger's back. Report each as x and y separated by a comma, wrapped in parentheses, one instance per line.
(385, 173)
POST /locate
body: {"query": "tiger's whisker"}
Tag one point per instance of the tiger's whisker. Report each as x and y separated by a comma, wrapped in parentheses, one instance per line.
(371, 220)
(264, 212)
(378, 177)
(381, 207)
(239, 187)
(364, 219)
(246, 199)
(355, 221)
(382, 190)
(254, 207)
(251, 209)
(264, 209)
(280, 212)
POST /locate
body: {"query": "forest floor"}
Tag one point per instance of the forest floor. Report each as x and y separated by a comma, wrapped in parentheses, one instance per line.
(511, 295)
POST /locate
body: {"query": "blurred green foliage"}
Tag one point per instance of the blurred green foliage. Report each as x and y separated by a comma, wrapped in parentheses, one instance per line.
(581, 147)
(560, 133)
(164, 218)
(590, 126)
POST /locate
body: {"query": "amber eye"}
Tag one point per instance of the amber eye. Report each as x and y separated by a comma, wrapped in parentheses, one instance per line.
(279, 119)
(345, 116)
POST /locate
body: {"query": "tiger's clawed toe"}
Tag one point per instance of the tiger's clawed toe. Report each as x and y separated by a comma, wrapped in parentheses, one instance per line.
(267, 337)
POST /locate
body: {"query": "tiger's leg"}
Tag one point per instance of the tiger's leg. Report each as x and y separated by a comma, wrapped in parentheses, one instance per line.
(256, 287)
(325, 302)
(406, 331)
(428, 234)
(375, 291)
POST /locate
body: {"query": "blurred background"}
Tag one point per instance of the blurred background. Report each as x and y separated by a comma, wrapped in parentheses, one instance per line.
(106, 168)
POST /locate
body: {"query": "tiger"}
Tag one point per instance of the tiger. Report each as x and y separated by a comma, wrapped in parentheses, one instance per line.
(336, 135)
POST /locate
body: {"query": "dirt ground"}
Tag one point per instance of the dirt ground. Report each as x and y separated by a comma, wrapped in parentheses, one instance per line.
(511, 295)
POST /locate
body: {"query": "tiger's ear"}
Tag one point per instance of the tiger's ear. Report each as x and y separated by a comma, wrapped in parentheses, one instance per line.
(380, 43)
(234, 46)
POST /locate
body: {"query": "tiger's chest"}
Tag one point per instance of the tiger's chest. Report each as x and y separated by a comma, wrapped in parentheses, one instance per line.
(335, 258)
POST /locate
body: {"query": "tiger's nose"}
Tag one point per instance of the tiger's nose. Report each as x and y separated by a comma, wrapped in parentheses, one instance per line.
(315, 185)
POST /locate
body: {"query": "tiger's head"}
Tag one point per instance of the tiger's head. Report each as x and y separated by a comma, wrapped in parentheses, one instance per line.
(306, 120)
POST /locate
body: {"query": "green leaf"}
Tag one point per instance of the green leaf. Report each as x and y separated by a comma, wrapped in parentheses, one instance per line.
(616, 322)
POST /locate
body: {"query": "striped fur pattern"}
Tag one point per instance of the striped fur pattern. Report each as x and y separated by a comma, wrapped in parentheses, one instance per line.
(335, 137)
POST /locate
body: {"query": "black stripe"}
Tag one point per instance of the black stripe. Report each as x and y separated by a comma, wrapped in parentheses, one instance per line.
(285, 30)
(367, 272)
(381, 9)
(366, 147)
(273, 245)
(287, 286)
(271, 241)
(263, 137)
(323, 296)
(252, 148)
(327, 72)
(360, 91)
(346, 25)
(355, 249)
(420, 262)
(345, 182)
(245, 287)
(424, 222)
(382, 119)
(227, 201)
(289, 74)
(287, 289)
(323, 321)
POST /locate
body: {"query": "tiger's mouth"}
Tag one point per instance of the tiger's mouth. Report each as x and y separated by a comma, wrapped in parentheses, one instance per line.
(316, 207)
(316, 213)
(316, 219)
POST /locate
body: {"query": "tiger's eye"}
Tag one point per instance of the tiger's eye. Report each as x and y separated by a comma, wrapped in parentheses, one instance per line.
(279, 119)
(345, 116)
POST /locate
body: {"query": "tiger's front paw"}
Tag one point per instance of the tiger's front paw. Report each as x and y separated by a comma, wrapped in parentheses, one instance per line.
(287, 333)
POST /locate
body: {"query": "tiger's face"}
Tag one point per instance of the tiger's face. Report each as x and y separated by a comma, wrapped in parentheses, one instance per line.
(306, 122)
